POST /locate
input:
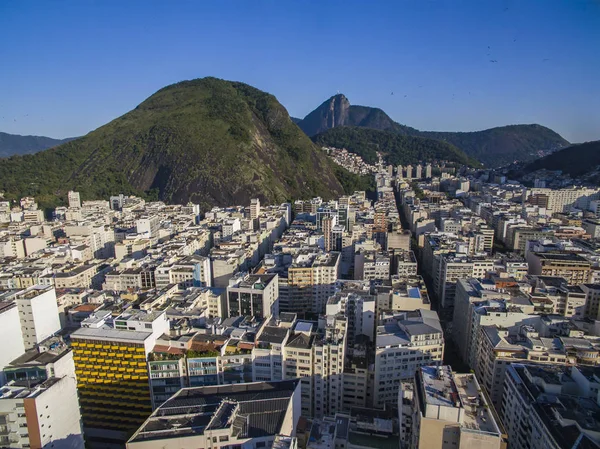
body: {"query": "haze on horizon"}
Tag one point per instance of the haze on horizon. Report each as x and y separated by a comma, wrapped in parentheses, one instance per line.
(71, 67)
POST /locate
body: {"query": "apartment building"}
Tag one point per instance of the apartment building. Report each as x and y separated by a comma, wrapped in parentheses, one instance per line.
(42, 415)
(446, 410)
(570, 266)
(565, 200)
(592, 300)
(112, 376)
(38, 314)
(403, 343)
(81, 276)
(10, 331)
(267, 354)
(478, 307)
(317, 357)
(371, 265)
(543, 408)
(254, 295)
(310, 282)
(405, 264)
(499, 347)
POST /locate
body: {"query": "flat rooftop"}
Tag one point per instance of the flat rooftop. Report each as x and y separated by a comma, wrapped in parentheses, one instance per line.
(571, 257)
(110, 334)
(443, 388)
(250, 410)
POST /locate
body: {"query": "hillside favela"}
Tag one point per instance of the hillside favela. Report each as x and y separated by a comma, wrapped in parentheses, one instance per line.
(202, 268)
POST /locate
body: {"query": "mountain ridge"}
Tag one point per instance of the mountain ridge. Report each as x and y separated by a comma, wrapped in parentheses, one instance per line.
(15, 144)
(576, 160)
(209, 141)
(493, 146)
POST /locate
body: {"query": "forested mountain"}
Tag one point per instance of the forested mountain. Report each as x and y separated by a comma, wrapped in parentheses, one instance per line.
(209, 141)
(493, 147)
(397, 148)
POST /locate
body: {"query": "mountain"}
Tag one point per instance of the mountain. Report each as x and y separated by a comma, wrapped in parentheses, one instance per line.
(337, 111)
(11, 144)
(493, 147)
(209, 141)
(576, 160)
(504, 145)
(397, 148)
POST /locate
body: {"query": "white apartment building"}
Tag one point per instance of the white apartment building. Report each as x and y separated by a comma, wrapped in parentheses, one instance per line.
(148, 226)
(565, 200)
(10, 331)
(38, 313)
(43, 416)
(74, 199)
(403, 344)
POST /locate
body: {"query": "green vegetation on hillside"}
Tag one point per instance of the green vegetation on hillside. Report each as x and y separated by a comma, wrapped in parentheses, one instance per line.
(397, 149)
(352, 182)
(209, 141)
(503, 145)
(576, 160)
(493, 147)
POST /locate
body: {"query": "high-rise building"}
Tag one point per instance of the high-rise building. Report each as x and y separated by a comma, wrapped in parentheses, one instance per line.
(148, 226)
(327, 226)
(10, 331)
(409, 172)
(255, 213)
(403, 343)
(310, 282)
(38, 312)
(428, 171)
(112, 376)
(553, 407)
(446, 410)
(74, 199)
(254, 295)
(316, 355)
(400, 171)
(418, 171)
(39, 405)
(574, 268)
(44, 415)
(254, 208)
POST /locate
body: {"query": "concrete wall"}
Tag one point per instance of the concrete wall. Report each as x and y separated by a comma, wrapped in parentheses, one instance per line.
(10, 331)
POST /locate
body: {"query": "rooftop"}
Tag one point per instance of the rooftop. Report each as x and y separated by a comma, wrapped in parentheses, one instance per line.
(443, 388)
(110, 334)
(248, 410)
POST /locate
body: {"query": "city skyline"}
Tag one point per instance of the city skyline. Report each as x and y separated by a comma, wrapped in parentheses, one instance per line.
(79, 66)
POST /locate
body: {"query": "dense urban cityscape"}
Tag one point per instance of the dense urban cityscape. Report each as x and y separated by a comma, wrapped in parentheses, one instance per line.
(452, 307)
(299, 225)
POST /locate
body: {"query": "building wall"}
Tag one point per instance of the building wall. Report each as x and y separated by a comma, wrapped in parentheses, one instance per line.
(39, 317)
(56, 411)
(112, 380)
(10, 331)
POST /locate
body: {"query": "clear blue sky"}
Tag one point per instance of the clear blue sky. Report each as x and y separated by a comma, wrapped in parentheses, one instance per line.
(68, 67)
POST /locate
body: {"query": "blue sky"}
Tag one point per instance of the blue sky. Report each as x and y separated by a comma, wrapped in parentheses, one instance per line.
(71, 66)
